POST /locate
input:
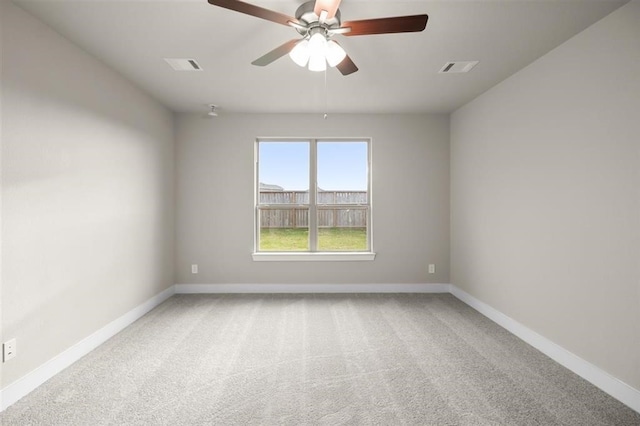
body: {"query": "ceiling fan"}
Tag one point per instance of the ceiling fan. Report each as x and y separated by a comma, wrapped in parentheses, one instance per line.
(317, 22)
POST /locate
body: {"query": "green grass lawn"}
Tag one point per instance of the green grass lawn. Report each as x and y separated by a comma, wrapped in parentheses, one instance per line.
(329, 239)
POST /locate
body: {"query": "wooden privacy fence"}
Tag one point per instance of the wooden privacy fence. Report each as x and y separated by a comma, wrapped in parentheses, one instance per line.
(349, 216)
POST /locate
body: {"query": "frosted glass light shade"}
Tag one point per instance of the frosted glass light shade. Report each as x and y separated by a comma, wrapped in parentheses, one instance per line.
(317, 44)
(334, 53)
(300, 53)
(317, 62)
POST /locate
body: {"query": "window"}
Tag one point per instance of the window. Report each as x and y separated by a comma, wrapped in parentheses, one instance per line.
(313, 199)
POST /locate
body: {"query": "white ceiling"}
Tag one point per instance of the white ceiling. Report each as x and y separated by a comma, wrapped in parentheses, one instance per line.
(398, 72)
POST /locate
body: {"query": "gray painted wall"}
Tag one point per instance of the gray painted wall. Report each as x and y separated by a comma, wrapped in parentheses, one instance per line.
(87, 190)
(410, 198)
(545, 195)
(2, 12)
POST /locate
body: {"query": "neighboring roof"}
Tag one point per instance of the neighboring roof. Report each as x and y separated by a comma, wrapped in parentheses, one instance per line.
(269, 187)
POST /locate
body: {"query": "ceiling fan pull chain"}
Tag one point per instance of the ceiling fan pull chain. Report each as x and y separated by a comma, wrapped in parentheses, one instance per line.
(326, 96)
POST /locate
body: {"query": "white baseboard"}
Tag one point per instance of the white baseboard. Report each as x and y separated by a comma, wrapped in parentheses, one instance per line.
(311, 288)
(598, 377)
(35, 378)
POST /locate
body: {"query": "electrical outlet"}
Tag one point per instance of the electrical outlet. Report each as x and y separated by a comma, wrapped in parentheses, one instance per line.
(194, 269)
(432, 268)
(8, 350)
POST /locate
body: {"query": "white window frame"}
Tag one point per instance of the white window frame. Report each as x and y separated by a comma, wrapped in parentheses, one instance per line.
(313, 254)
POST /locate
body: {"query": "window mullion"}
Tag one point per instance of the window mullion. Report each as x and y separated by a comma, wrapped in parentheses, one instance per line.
(313, 188)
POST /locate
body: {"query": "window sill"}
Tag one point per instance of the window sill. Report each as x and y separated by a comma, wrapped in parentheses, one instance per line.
(312, 257)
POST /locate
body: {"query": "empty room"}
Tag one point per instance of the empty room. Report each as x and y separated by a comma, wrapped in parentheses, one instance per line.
(320, 212)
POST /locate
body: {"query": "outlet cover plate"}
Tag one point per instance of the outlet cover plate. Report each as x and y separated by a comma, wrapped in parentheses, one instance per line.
(8, 350)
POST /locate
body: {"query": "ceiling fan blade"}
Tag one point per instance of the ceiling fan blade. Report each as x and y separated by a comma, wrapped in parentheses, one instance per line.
(399, 24)
(331, 6)
(347, 66)
(276, 53)
(257, 11)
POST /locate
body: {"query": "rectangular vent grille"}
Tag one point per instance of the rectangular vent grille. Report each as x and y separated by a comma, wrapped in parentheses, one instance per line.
(180, 64)
(458, 67)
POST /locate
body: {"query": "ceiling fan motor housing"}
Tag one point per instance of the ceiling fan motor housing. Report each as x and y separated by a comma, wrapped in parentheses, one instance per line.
(306, 15)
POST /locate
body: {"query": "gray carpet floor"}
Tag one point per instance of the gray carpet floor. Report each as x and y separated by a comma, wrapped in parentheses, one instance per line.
(316, 359)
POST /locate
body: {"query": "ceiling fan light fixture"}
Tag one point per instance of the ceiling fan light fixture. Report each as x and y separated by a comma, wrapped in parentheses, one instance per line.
(300, 53)
(334, 53)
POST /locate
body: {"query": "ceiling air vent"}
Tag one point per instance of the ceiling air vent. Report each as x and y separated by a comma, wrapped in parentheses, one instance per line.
(458, 66)
(180, 64)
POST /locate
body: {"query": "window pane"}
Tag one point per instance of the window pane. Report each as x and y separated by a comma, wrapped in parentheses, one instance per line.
(342, 229)
(284, 230)
(283, 172)
(342, 172)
